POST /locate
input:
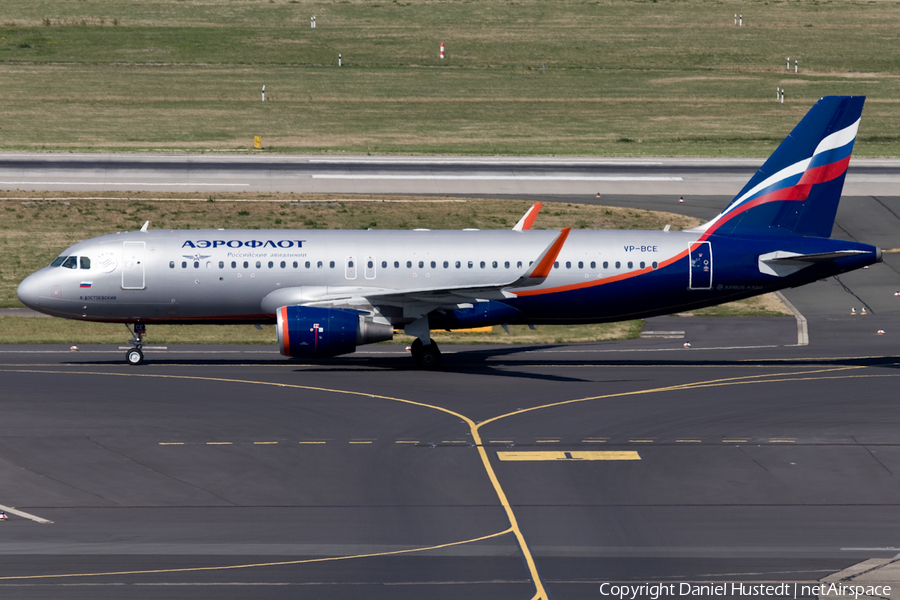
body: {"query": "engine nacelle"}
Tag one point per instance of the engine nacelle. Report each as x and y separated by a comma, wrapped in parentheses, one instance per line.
(314, 332)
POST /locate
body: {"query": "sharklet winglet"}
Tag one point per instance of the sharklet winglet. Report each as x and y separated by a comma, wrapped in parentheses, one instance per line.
(527, 220)
(541, 267)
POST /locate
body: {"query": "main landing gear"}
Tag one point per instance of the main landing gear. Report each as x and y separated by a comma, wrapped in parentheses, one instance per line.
(426, 356)
(135, 356)
(424, 351)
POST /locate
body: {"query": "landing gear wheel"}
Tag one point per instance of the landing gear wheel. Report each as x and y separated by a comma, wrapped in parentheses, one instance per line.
(134, 356)
(426, 357)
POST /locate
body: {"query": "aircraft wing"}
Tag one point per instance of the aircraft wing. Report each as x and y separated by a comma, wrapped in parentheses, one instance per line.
(535, 275)
(426, 298)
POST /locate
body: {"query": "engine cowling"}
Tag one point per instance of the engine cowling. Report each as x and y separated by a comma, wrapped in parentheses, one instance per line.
(315, 332)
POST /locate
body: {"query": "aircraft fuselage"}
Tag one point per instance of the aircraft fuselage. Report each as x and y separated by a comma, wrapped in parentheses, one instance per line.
(224, 276)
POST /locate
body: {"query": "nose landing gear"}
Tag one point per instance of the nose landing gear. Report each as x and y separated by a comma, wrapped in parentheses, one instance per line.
(135, 356)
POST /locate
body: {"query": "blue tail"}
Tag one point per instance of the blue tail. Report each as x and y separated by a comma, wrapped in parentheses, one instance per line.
(796, 191)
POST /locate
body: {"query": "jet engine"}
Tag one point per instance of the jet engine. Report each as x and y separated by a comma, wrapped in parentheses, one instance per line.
(315, 332)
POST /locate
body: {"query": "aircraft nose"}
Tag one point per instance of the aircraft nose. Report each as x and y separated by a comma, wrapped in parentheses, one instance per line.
(29, 292)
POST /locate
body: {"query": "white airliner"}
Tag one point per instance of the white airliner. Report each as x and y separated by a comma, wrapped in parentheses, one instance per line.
(331, 291)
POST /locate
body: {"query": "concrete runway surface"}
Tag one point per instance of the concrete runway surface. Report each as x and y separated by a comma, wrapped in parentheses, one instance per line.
(231, 472)
(405, 175)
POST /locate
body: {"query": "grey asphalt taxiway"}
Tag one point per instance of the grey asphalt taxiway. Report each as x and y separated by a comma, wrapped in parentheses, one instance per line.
(515, 472)
(230, 472)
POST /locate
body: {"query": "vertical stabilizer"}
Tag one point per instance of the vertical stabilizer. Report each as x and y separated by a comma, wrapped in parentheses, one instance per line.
(797, 190)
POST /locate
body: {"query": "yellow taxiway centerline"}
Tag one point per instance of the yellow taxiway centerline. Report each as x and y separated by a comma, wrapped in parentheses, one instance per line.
(540, 592)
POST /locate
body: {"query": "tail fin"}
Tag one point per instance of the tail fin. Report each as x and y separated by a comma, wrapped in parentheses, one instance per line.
(796, 191)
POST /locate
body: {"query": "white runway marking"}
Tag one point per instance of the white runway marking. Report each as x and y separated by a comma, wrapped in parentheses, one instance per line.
(427, 161)
(23, 514)
(494, 177)
(116, 183)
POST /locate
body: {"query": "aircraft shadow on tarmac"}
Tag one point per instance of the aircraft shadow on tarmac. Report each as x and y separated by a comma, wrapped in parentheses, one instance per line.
(481, 362)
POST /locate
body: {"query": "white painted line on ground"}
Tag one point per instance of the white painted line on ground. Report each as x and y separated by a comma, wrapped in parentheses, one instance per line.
(648, 349)
(116, 183)
(144, 347)
(23, 514)
(427, 161)
(802, 326)
(492, 177)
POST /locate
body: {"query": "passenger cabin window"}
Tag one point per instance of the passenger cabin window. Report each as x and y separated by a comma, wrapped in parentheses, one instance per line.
(306, 264)
(556, 265)
(643, 264)
(196, 264)
(184, 264)
(653, 264)
(593, 264)
(446, 264)
(421, 264)
(331, 264)
(519, 265)
(85, 262)
(259, 264)
(605, 264)
(71, 262)
(482, 264)
(580, 264)
(506, 265)
(271, 264)
(471, 264)
(433, 264)
(171, 264)
(409, 264)
(246, 265)
(494, 264)
(618, 265)
(284, 264)
(630, 265)
(221, 264)
(568, 264)
(458, 264)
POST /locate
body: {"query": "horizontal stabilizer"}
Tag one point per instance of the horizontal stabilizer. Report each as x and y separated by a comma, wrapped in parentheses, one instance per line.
(782, 263)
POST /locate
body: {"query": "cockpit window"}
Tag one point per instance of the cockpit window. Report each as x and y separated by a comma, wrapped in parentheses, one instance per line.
(85, 262)
(59, 260)
(71, 262)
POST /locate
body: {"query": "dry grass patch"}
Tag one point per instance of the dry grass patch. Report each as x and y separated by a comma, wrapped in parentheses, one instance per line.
(561, 77)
